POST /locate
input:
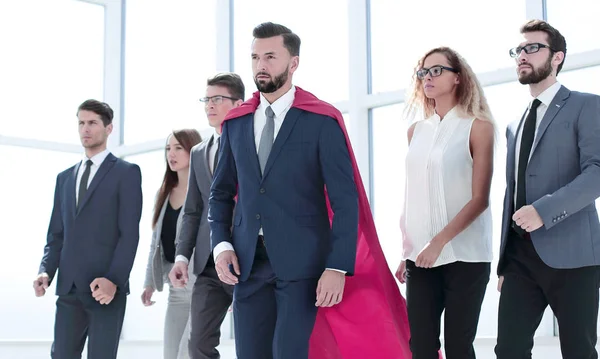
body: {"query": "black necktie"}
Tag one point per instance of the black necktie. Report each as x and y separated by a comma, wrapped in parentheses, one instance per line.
(84, 181)
(216, 159)
(526, 142)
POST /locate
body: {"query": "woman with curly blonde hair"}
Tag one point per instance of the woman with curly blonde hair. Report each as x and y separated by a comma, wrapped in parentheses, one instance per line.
(447, 224)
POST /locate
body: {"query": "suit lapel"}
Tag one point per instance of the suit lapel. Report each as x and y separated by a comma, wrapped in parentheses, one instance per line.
(71, 187)
(248, 129)
(105, 167)
(207, 158)
(555, 106)
(282, 136)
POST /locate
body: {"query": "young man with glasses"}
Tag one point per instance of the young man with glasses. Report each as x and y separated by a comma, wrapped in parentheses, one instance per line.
(210, 298)
(550, 244)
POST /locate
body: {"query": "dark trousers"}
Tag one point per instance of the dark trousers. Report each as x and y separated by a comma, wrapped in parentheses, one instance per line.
(529, 287)
(273, 318)
(79, 316)
(458, 288)
(210, 300)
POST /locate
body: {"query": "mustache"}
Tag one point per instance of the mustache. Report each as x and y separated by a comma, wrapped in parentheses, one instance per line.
(262, 74)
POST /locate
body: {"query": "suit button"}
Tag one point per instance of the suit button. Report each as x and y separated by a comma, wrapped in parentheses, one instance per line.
(258, 216)
(262, 190)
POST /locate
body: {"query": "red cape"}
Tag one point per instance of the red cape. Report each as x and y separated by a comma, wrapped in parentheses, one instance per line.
(371, 321)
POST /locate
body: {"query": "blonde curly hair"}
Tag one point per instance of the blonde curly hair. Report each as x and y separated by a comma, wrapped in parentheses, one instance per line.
(470, 96)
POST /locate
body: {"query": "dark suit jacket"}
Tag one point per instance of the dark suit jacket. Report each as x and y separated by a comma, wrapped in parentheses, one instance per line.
(195, 233)
(288, 200)
(100, 238)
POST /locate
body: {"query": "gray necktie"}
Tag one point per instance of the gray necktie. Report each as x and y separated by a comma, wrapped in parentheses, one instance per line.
(266, 139)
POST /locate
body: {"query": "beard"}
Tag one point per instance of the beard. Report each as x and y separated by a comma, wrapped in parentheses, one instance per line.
(273, 84)
(537, 75)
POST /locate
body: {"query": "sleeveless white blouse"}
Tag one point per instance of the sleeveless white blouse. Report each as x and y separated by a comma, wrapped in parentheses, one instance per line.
(439, 180)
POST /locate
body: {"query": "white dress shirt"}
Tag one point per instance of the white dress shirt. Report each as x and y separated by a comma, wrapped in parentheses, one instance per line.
(97, 160)
(545, 98)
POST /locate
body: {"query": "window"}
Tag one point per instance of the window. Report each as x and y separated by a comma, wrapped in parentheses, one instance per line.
(52, 61)
(403, 31)
(579, 30)
(27, 190)
(389, 148)
(166, 66)
(323, 66)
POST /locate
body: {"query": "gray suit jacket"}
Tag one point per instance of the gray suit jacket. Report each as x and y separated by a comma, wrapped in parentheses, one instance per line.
(195, 232)
(563, 181)
(157, 269)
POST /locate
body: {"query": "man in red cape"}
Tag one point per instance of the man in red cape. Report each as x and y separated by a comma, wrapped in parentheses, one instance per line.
(370, 321)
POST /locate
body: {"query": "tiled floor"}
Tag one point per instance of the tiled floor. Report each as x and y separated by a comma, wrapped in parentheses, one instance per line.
(546, 348)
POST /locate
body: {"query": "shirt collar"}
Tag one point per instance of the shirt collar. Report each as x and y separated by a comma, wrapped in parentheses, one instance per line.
(281, 104)
(452, 113)
(98, 158)
(548, 95)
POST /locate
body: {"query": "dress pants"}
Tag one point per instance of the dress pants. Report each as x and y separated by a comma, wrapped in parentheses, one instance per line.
(458, 289)
(529, 287)
(79, 317)
(211, 299)
(177, 322)
(273, 318)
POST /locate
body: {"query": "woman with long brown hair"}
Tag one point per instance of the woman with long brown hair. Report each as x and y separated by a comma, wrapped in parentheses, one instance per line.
(165, 222)
(447, 223)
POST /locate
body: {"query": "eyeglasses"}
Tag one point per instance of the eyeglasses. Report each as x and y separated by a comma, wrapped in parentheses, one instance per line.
(529, 49)
(434, 71)
(217, 100)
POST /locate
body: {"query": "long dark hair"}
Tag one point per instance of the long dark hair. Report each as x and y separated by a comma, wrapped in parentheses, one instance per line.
(187, 138)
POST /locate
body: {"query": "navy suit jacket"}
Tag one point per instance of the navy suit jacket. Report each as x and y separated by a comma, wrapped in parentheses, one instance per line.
(288, 200)
(100, 238)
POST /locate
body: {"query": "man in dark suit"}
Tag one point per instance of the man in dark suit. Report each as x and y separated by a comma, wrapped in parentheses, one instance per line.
(210, 298)
(283, 255)
(550, 250)
(92, 242)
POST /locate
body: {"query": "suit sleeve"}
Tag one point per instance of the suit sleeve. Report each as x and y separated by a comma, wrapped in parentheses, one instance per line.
(130, 212)
(585, 188)
(55, 236)
(192, 212)
(338, 174)
(222, 193)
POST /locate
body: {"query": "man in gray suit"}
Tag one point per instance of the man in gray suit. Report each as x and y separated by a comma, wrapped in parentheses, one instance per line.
(550, 251)
(211, 298)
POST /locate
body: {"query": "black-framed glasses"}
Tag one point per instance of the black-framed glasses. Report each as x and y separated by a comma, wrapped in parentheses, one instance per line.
(217, 100)
(434, 71)
(529, 49)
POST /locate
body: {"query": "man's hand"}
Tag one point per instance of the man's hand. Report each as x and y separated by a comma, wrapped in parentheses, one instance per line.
(528, 218)
(179, 275)
(430, 254)
(500, 281)
(222, 263)
(103, 290)
(147, 296)
(40, 284)
(330, 288)
(401, 272)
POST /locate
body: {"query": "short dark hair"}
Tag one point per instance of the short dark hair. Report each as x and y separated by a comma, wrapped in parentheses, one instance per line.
(555, 39)
(231, 81)
(291, 41)
(101, 109)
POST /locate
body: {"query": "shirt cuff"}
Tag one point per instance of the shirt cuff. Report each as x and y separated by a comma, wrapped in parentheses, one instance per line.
(337, 270)
(182, 258)
(220, 248)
